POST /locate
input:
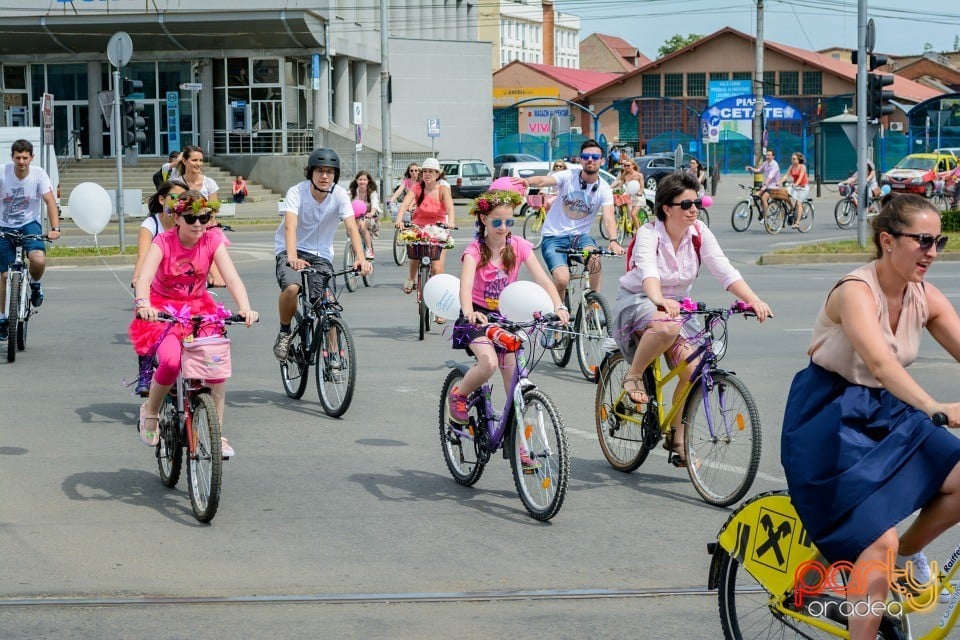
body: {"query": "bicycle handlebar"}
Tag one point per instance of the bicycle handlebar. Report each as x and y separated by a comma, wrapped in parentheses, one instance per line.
(692, 307)
(163, 316)
(410, 225)
(587, 252)
(939, 419)
(16, 235)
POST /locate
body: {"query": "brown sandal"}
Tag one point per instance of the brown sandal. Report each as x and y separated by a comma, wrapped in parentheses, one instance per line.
(633, 386)
(675, 452)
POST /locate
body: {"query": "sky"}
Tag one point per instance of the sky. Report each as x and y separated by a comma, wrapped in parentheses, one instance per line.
(808, 24)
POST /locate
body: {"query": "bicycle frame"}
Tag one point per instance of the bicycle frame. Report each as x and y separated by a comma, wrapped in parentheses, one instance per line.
(325, 306)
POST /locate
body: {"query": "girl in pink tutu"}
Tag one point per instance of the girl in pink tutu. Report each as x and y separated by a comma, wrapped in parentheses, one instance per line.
(173, 279)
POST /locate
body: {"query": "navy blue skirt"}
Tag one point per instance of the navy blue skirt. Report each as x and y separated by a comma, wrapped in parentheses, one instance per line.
(858, 460)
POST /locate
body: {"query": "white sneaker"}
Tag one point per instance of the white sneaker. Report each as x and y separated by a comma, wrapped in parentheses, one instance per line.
(919, 567)
(226, 451)
(281, 347)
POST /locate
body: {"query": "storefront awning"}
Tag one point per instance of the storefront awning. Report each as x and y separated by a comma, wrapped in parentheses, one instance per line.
(86, 36)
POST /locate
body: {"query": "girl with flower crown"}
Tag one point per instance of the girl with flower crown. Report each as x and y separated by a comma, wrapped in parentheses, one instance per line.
(490, 263)
(173, 279)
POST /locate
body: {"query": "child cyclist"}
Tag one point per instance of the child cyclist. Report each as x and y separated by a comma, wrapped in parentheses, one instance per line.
(490, 263)
(173, 279)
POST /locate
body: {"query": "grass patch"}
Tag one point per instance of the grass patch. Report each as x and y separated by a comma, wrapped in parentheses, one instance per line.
(850, 246)
(60, 251)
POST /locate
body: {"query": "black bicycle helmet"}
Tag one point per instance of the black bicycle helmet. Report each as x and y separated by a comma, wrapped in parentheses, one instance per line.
(324, 157)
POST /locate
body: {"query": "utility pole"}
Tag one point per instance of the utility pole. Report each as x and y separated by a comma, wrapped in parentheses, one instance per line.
(385, 128)
(758, 90)
(863, 197)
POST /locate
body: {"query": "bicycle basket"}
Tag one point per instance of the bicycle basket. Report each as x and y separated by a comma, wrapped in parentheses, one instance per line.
(206, 358)
(778, 193)
(621, 199)
(844, 189)
(418, 250)
(535, 201)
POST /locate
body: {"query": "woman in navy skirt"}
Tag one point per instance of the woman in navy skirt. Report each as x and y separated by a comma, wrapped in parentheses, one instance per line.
(859, 449)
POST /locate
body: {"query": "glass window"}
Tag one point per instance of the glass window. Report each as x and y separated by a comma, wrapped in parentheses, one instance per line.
(696, 84)
(812, 83)
(266, 71)
(742, 75)
(14, 77)
(789, 83)
(238, 74)
(64, 81)
(650, 85)
(769, 82)
(673, 85)
(719, 75)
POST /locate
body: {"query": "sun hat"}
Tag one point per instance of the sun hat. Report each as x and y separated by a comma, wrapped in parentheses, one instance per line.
(430, 163)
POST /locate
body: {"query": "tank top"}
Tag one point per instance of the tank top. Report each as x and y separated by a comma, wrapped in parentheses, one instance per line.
(429, 211)
(795, 176)
(831, 349)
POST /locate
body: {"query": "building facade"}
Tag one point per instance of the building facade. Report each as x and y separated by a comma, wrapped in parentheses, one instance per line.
(530, 31)
(243, 77)
(610, 54)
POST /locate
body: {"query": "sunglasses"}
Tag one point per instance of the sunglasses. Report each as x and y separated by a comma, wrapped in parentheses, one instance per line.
(591, 156)
(925, 240)
(203, 218)
(496, 223)
(686, 204)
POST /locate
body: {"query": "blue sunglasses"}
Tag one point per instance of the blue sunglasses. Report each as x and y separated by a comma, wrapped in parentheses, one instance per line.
(496, 223)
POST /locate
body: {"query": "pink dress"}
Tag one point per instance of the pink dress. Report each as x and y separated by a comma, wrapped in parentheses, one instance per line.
(179, 287)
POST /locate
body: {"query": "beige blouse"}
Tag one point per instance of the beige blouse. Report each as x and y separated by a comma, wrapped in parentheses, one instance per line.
(830, 348)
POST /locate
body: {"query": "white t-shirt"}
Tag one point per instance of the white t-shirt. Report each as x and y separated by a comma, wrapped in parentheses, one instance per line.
(574, 209)
(21, 201)
(317, 221)
(209, 184)
(152, 224)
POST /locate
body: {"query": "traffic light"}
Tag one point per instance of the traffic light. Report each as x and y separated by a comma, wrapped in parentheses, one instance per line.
(874, 60)
(878, 99)
(129, 87)
(132, 123)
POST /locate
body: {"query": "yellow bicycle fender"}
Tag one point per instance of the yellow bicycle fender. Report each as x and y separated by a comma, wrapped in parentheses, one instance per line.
(766, 537)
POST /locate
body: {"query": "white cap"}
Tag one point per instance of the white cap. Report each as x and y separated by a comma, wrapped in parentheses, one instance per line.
(430, 163)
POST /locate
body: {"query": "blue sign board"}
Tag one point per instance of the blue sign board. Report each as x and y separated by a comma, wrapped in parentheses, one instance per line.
(719, 90)
(741, 108)
(173, 120)
(315, 71)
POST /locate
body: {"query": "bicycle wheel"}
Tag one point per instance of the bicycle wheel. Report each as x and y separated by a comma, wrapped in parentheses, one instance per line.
(205, 466)
(774, 218)
(13, 313)
(845, 213)
(619, 424)
(532, 227)
(351, 279)
(399, 248)
(170, 447)
(742, 216)
(22, 332)
(336, 370)
(592, 328)
(294, 370)
(563, 347)
(722, 439)
(806, 217)
(422, 309)
(460, 452)
(538, 437)
(703, 215)
(941, 201)
(368, 279)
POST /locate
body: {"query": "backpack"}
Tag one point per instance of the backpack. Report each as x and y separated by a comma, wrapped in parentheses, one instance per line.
(158, 178)
(697, 241)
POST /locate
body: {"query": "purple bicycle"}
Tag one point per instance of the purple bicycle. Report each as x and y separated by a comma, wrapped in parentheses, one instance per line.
(721, 423)
(529, 429)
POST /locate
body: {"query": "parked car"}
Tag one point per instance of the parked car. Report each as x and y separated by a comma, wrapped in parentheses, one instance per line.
(529, 169)
(467, 178)
(954, 151)
(916, 172)
(504, 158)
(656, 165)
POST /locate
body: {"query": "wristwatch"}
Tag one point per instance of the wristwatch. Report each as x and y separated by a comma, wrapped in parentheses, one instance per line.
(560, 307)
(57, 229)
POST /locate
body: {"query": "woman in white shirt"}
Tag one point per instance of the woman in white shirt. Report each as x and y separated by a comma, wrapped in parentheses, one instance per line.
(364, 188)
(664, 262)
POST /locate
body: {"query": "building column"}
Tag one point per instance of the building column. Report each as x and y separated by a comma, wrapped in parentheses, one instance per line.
(341, 91)
(205, 107)
(94, 122)
(463, 24)
(321, 100)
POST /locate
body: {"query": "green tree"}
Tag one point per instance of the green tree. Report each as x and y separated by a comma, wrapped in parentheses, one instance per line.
(927, 47)
(675, 42)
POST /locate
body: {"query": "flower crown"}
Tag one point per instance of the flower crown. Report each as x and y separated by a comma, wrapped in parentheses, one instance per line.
(195, 205)
(490, 200)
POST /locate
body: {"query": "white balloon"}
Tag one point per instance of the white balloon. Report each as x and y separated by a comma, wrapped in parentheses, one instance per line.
(441, 294)
(521, 299)
(633, 187)
(90, 207)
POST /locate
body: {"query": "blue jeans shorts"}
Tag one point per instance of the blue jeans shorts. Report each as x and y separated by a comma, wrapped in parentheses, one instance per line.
(8, 251)
(551, 243)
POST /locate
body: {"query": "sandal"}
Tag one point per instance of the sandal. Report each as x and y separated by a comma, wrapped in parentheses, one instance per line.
(408, 286)
(633, 386)
(440, 320)
(675, 452)
(149, 436)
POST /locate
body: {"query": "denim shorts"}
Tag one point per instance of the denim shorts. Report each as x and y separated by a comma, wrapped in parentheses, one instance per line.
(551, 243)
(8, 252)
(287, 276)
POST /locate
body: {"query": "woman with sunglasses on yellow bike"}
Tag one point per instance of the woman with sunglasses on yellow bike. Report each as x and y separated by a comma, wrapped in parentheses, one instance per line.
(662, 265)
(859, 448)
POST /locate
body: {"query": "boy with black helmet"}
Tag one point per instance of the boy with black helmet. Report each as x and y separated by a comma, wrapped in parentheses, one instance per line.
(312, 209)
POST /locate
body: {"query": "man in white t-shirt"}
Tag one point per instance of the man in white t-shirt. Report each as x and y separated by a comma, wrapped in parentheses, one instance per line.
(581, 196)
(24, 190)
(312, 209)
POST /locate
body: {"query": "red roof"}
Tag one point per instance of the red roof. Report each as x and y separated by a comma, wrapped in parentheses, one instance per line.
(580, 79)
(624, 50)
(902, 87)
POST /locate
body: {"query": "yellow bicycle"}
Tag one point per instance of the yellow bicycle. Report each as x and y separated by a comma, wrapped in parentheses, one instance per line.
(534, 214)
(627, 225)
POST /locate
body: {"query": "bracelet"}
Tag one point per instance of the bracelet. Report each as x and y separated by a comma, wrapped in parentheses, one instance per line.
(139, 303)
(561, 307)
